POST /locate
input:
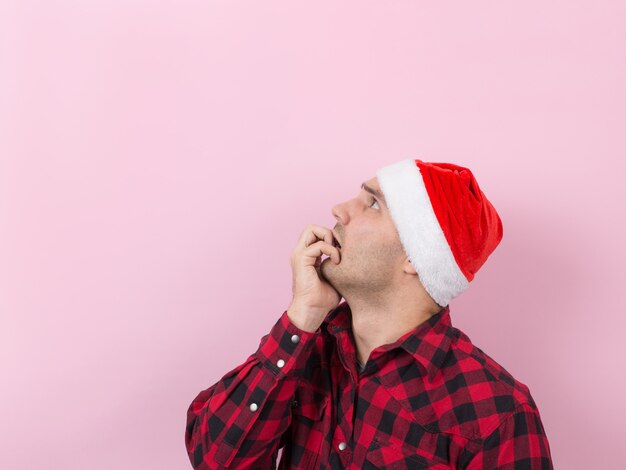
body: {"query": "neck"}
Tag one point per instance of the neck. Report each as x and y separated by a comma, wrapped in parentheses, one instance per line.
(383, 320)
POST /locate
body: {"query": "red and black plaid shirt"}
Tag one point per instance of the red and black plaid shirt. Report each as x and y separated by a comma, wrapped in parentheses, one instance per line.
(430, 400)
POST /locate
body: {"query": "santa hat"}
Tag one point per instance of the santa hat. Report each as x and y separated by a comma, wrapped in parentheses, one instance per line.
(447, 226)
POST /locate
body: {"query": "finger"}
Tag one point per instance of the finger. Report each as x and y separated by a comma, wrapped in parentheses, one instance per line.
(314, 233)
(317, 249)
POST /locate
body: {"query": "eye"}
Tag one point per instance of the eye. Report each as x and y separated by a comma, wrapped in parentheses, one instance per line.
(374, 201)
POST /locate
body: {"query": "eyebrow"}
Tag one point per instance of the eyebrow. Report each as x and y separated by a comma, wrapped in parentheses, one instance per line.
(376, 193)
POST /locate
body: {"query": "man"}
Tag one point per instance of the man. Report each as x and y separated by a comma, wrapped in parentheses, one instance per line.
(382, 380)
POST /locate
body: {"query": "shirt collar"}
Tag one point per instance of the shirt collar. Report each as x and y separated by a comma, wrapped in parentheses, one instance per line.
(428, 343)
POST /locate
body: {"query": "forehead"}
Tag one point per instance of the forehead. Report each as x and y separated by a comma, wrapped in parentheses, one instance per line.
(373, 183)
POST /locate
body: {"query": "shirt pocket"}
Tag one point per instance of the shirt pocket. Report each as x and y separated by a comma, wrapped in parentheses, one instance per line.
(389, 457)
(311, 396)
(307, 426)
(309, 403)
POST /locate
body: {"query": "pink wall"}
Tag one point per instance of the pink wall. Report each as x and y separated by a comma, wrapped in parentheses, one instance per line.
(159, 159)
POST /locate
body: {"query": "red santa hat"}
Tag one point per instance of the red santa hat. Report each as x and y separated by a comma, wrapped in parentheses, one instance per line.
(446, 225)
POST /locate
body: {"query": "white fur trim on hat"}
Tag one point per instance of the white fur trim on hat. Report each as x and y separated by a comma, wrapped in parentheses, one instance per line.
(420, 233)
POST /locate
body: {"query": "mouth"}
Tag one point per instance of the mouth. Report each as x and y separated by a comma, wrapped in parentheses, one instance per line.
(336, 243)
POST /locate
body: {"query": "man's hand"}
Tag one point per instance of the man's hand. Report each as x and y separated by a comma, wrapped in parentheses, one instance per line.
(313, 297)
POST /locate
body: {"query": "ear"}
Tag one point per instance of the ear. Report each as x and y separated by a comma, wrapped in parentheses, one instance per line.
(408, 267)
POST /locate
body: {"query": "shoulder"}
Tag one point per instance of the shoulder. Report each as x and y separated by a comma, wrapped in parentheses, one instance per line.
(481, 392)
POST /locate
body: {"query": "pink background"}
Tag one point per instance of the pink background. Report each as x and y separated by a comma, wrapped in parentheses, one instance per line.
(159, 160)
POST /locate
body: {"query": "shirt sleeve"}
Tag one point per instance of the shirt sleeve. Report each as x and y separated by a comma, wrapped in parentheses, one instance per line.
(239, 421)
(520, 441)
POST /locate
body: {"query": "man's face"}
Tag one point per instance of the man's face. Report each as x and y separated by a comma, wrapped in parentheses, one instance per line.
(371, 252)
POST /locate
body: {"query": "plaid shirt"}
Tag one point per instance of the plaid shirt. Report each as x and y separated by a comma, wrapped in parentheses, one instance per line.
(430, 400)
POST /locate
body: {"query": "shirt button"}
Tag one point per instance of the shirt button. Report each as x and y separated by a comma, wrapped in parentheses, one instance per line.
(295, 338)
(254, 407)
(342, 445)
(280, 363)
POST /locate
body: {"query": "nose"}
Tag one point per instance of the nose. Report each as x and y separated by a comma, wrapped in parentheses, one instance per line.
(340, 213)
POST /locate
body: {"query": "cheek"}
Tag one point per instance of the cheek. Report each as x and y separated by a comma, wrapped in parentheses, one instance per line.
(373, 240)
